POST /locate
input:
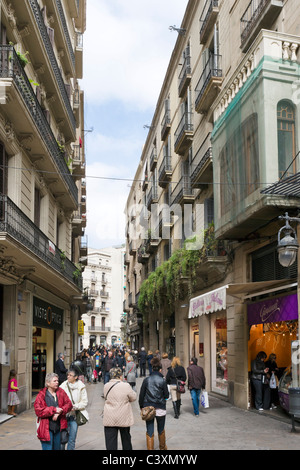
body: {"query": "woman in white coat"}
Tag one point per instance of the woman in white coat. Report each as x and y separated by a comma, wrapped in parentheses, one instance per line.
(77, 393)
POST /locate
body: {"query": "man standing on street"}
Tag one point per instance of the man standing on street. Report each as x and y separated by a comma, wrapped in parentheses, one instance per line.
(108, 363)
(60, 368)
(196, 382)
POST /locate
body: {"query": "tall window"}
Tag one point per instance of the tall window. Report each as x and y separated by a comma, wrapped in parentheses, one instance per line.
(286, 138)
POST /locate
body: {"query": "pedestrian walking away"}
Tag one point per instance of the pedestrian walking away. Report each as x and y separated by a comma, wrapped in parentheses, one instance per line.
(60, 368)
(175, 372)
(142, 362)
(196, 383)
(130, 372)
(154, 392)
(76, 392)
(117, 413)
(12, 399)
(51, 406)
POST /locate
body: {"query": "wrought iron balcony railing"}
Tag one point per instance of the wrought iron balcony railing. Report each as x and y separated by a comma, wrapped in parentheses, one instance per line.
(212, 69)
(44, 34)
(66, 30)
(14, 222)
(10, 67)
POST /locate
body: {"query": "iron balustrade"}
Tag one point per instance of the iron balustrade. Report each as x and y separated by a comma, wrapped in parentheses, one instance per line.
(211, 69)
(185, 125)
(182, 189)
(208, 7)
(165, 167)
(10, 67)
(66, 30)
(186, 69)
(18, 226)
(251, 16)
(44, 34)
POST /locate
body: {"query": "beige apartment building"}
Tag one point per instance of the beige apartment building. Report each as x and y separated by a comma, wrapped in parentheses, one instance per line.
(42, 194)
(203, 273)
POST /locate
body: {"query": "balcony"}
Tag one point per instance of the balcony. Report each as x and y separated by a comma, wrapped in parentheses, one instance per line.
(184, 134)
(79, 55)
(183, 192)
(202, 168)
(185, 75)
(165, 172)
(23, 109)
(208, 18)
(143, 256)
(83, 247)
(46, 65)
(27, 249)
(209, 84)
(153, 159)
(78, 222)
(152, 197)
(78, 164)
(132, 248)
(99, 328)
(166, 125)
(260, 14)
(104, 294)
(93, 293)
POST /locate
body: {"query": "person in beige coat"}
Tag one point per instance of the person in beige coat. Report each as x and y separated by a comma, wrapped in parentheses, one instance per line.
(117, 414)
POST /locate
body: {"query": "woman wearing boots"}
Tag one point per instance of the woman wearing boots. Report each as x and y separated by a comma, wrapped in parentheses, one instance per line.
(154, 392)
(175, 372)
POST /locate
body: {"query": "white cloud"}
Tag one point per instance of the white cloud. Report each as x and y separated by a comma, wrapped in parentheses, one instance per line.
(127, 48)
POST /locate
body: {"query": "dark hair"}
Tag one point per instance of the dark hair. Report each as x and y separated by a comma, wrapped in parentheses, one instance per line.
(261, 355)
(156, 364)
(194, 360)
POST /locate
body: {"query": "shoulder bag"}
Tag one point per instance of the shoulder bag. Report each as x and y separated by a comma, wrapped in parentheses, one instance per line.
(80, 418)
(148, 413)
(180, 385)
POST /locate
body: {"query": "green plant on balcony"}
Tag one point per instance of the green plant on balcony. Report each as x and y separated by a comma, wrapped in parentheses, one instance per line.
(63, 257)
(78, 271)
(168, 279)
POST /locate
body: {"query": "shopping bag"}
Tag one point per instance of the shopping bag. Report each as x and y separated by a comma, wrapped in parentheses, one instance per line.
(204, 399)
(273, 383)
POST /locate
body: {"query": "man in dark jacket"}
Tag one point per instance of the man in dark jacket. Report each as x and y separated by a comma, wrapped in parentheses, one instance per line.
(108, 363)
(142, 361)
(196, 382)
(60, 368)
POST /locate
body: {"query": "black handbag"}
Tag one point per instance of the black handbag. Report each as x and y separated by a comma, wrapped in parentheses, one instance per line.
(64, 436)
(180, 385)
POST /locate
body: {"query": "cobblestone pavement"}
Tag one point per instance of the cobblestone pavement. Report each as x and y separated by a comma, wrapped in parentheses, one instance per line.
(221, 427)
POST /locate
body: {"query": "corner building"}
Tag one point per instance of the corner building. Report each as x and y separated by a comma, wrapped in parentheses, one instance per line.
(42, 188)
(202, 229)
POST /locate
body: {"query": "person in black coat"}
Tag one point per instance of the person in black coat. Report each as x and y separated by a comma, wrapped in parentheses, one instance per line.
(60, 368)
(154, 392)
(142, 362)
(175, 372)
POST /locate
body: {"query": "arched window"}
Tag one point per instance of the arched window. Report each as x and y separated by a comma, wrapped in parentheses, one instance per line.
(286, 139)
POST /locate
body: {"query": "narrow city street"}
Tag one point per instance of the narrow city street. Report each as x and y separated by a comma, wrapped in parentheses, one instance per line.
(221, 427)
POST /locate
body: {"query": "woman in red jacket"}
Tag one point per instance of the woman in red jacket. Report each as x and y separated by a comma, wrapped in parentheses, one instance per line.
(51, 406)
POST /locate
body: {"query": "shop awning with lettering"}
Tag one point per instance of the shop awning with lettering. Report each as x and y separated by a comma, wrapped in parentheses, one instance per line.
(215, 300)
(210, 302)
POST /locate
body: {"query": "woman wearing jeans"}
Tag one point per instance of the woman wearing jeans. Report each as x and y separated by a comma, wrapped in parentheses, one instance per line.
(76, 392)
(154, 392)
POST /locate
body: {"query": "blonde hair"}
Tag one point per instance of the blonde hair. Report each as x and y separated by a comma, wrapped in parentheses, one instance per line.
(175, 362)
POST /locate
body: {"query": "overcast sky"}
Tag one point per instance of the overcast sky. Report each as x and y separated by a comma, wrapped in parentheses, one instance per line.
(127, 48)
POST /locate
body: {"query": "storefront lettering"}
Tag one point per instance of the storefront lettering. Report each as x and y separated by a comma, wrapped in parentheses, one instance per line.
(266, 312)
(47, 316)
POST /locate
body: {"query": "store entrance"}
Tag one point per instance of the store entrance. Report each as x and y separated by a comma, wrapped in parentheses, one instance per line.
(43, 355)
(276, 339)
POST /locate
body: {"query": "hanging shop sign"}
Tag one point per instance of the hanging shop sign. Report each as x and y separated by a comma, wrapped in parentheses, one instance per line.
(80, 328)
(213, 301)
(46, 315)
(273, 310)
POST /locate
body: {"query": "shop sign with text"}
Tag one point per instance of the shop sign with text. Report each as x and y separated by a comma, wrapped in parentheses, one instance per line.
(46, 315)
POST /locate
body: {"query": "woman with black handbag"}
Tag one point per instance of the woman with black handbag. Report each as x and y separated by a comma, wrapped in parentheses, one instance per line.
(154, 393)
(176, 378)
(77, 393)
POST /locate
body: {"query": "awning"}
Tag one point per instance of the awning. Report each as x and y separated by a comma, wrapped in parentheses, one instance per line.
(215, 300)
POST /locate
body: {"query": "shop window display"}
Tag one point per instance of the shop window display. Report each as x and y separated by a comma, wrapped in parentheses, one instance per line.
(219, 351)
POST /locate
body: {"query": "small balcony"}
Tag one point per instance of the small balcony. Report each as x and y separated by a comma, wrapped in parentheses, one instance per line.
(202, 167)
(208, 19)
(184, 134)
(78, 221)
(166, 125)
(132, 248)
(185, 75)
(78, 162)
(104, 294)
(79, 55)
(183, 192)
(153, 159)
(260, 14)
(152, 197)
(165, 172)
(209, 84)
(143, 256)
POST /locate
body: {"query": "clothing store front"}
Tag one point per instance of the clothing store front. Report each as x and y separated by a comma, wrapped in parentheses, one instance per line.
(211, 307)
(273, 328)
(47, 326)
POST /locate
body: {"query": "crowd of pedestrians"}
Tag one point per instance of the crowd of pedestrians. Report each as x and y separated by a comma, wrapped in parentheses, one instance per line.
(61, 406)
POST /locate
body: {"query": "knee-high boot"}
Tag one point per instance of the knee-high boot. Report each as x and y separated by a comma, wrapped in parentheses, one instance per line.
(162, 441)
(175, 409)
(150, 442)
(178, 404)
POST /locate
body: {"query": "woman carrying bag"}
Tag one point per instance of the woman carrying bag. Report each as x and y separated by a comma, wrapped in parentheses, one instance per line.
(76, 392)
(175, 373)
